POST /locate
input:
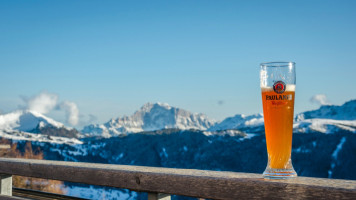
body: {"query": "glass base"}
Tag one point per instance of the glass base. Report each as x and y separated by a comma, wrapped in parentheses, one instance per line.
(270, 173)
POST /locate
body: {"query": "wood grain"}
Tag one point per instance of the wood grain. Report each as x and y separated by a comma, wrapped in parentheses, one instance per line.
(5, 197)
(187, 182)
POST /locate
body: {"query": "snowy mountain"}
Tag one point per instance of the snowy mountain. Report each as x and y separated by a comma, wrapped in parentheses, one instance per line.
(239, 122)
(328, 119)
(151, 116)
(324, 126)
(30, 125)
(26, 120)
(34, 126)
(347, 111)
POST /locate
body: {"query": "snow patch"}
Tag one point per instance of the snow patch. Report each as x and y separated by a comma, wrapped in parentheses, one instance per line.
(301, 150)
(164, 153)
(334, 156)
(19, 135)
(338, 148)
(119, 157)
(92, 192)
(185, 148)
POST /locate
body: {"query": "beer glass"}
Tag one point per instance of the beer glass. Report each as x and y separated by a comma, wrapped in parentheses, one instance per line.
(278, 90)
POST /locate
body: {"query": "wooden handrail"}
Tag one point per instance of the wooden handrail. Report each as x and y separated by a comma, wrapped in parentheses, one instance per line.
(187, 182)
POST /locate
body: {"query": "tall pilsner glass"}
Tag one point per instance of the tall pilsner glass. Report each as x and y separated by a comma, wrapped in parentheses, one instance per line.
(278, 92)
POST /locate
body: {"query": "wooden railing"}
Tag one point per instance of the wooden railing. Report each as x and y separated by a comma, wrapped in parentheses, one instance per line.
(160, 182)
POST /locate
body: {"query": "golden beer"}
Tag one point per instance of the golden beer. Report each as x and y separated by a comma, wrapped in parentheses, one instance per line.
(278, 117)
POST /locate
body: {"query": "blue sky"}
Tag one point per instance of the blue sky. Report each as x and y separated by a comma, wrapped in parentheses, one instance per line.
(111, 57)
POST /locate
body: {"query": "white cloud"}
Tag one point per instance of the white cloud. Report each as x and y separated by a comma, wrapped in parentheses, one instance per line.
(320, 99)
(42, 103)
(71, 110)
(45, 102)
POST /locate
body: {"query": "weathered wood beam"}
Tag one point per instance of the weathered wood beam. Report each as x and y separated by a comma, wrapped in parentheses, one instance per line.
(40, 195)
(187, 182)
(5, 197)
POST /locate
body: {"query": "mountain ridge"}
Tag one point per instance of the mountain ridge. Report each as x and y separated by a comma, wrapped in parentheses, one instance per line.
(151, 116)
(346, 111)
(160, 116)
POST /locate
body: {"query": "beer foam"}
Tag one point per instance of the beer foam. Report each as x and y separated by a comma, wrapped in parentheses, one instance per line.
(289, 88)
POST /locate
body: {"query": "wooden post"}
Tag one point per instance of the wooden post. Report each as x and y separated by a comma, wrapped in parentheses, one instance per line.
(6, 184)
(158, 196)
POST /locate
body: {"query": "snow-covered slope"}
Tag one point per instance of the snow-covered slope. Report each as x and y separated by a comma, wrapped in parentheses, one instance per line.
(34, 126)
(26, 136)
(324, 126)
(239, 122)
(150, 117)
(25, 120)
(328, 119)
(347, 111)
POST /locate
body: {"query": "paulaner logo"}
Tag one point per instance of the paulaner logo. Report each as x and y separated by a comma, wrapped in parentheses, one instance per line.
(279, 97)
(279, 87)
